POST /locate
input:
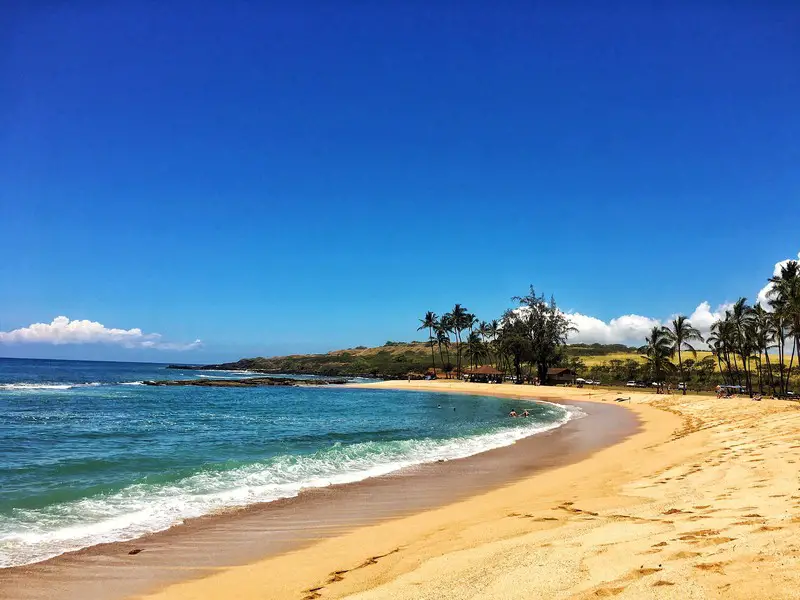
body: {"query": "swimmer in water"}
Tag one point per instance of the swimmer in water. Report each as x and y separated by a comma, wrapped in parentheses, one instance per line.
(525, 413)
(513, 413)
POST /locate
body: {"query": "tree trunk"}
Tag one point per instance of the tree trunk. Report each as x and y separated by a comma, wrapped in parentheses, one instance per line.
(458, 354)
(760, 376)
(769, 368)
(738, 374)
(433, 354)
(781, 352)
(680, 368)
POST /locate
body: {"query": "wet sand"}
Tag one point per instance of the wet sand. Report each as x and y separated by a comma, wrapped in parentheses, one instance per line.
(702, 501)
(208, 545)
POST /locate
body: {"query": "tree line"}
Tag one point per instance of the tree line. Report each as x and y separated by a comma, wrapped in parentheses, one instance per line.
(749, 345)
(528, 338)
(752, 346)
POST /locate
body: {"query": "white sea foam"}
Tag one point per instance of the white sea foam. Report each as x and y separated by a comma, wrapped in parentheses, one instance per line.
(46, 386)
(34, 535)
(32, 387)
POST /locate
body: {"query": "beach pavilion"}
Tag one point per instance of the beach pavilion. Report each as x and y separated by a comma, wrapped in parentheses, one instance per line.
(484, 374)
(557, 376)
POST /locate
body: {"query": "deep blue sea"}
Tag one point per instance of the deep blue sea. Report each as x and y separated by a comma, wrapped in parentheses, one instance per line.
(89, 455)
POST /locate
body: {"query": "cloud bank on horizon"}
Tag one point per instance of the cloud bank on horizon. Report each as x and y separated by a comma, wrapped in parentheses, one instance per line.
(632, 329)
(62, 330)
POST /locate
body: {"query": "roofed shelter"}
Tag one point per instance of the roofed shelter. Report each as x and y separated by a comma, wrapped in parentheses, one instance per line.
(556, 376)
(484, 374)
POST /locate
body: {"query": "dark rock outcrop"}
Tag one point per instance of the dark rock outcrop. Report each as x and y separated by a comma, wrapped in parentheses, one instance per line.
(248, 382)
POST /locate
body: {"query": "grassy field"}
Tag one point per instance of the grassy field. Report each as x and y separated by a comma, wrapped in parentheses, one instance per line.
(591, 361)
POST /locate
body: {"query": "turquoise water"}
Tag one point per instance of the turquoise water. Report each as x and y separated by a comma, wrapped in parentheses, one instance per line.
(88, 455)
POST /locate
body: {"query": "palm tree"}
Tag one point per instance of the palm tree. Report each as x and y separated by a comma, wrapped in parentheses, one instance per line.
(722, 338)
(443, 339)
(785, 293)
(492, 330)
(764, 337)
(780, 326)
(681, 333)
(741, 315)
(430, 322)
(460, 320)
(475, 350)
(715, 342)
(657, 352)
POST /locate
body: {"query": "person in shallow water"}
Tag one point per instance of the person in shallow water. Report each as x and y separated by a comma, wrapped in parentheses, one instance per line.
(525, 413)
(513, 413)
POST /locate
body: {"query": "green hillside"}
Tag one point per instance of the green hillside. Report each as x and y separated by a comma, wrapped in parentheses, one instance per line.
(392, 360)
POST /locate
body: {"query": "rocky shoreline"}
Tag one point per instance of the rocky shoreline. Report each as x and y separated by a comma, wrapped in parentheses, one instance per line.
(251, 365)
(248, 382)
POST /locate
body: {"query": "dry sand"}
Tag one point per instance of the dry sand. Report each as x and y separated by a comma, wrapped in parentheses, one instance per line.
(703, 502)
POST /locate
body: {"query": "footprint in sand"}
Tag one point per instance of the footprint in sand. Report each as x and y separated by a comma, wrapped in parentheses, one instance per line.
(715, 567)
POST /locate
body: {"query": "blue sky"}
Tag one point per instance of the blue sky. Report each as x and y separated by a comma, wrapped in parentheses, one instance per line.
(272, 178)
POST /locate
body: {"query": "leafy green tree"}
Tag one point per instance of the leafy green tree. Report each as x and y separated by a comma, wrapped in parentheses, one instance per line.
(547, 329)
(632, 370)
(514, 341)
(576, 364)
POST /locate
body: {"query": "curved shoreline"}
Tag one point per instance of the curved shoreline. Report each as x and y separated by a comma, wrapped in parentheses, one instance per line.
(286, 521)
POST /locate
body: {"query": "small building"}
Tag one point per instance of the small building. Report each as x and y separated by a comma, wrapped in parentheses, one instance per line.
(483, 374)
(560, 376)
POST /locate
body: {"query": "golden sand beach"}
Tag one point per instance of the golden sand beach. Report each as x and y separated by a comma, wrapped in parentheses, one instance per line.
(702, 502)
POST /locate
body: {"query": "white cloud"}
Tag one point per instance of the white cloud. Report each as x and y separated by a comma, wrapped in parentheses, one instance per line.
(763, 295)
(633, 329)
(627, 329)
(703, 317)
(62, 330)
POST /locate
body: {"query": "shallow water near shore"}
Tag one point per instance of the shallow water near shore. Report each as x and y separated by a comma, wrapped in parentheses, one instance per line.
(87, 456)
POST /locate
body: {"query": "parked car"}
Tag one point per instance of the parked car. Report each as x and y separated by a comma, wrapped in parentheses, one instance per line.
(681, 386)
(630, 384)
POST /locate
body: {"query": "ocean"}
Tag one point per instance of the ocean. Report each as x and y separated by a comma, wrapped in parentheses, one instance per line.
(90, 455)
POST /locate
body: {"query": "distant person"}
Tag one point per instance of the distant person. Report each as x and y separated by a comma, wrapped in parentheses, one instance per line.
(513, 413)
(525, 413)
